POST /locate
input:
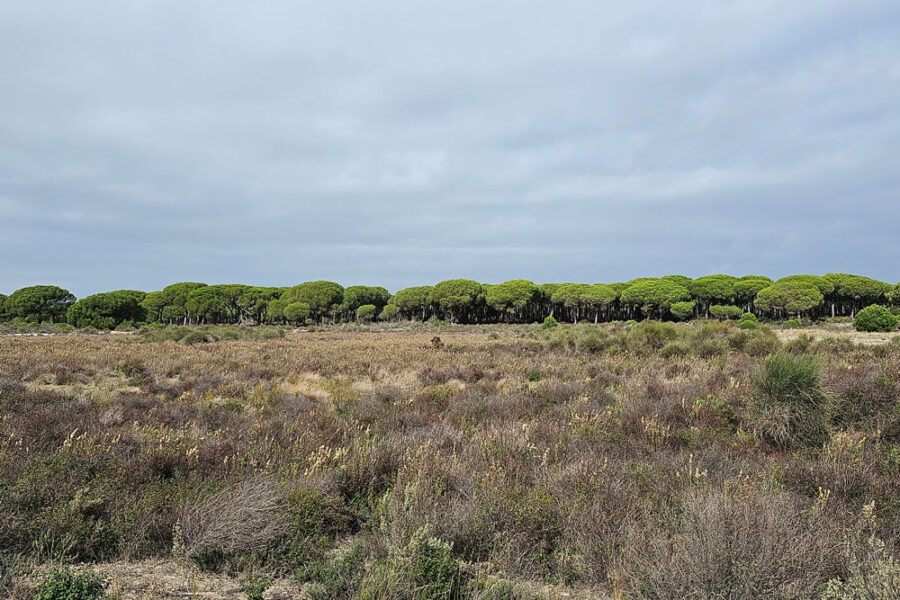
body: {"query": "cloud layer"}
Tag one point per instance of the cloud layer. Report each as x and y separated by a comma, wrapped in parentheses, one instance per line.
(405, 142)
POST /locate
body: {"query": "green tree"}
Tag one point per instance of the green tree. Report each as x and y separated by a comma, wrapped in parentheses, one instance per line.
(683, 311)
(297, 312)
(724, 312)
(323, 297)
(107, 310)
(4, 314)
(253, 302)
(360, 295)
(39, 303)
(682, 280)
(793, 297)
(414, 301)
(461, 299)
(390, 312)
(822, 284)
(275, 311)
(746, 288)
(514, 299)
(206, 304)
(167, 305)
(713, 289)
(654, 296)
(365, 313)
(853, 292)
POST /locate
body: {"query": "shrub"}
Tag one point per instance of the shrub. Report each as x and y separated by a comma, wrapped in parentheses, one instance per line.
(791, 324)
(549, 323)
(242, 518)
(725, 312)
(791, 406)
(740, 545)
(674, 349)
(711, 347)
(683, 311)
(748, 324)
(424, 570)
(762, 342)
(67, 584)
(875, 318)
(631, 322)
(594, 340)
(875, 576)
(748, 316)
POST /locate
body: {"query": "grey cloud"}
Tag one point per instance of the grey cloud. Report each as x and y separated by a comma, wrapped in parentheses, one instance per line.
(404, 142)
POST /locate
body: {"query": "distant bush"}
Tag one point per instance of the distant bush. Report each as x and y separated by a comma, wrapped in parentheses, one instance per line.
(791, 324)
(875, 318)
(725, 312)
(549, 323)
(791, 406)
(67, 584)
(631, 322)
(748, 324)
(683, 311)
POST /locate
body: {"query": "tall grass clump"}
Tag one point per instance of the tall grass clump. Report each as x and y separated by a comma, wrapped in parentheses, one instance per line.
(791, 406)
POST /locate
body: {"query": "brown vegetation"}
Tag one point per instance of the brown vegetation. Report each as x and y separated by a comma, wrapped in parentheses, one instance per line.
(613, 459)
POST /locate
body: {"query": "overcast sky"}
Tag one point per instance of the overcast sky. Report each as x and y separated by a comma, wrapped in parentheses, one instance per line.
(405, 142)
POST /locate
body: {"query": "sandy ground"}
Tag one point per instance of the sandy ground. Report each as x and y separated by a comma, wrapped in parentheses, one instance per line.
(844, 331)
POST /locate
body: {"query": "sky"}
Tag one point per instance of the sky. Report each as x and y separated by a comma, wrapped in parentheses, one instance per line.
(402, 142)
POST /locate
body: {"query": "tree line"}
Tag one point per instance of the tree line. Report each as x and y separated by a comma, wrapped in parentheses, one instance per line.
(672, 297)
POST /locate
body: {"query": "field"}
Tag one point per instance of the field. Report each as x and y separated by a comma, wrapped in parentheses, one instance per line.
(486, 462)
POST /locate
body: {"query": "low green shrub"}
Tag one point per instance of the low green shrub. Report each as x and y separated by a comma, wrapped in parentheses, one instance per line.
(875, 318)
(762, 342)
(674, 350)
(68, 584)
(549, 323)
(791, 324)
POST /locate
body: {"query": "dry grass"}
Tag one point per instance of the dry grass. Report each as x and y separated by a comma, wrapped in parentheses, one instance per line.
(542, 458)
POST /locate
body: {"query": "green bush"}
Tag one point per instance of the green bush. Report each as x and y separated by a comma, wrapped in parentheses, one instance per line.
(748, 324)
(875, 576)
(67, 584)
(791, 406)
(875, 318)
(631, 322)
(762, 342)
(791, 324)
(674, 349)
(549, 323)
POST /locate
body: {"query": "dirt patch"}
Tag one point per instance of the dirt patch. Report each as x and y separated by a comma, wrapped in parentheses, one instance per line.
(860, 338)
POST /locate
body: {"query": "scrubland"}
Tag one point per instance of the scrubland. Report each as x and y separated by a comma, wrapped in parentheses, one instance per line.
(504, 462)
